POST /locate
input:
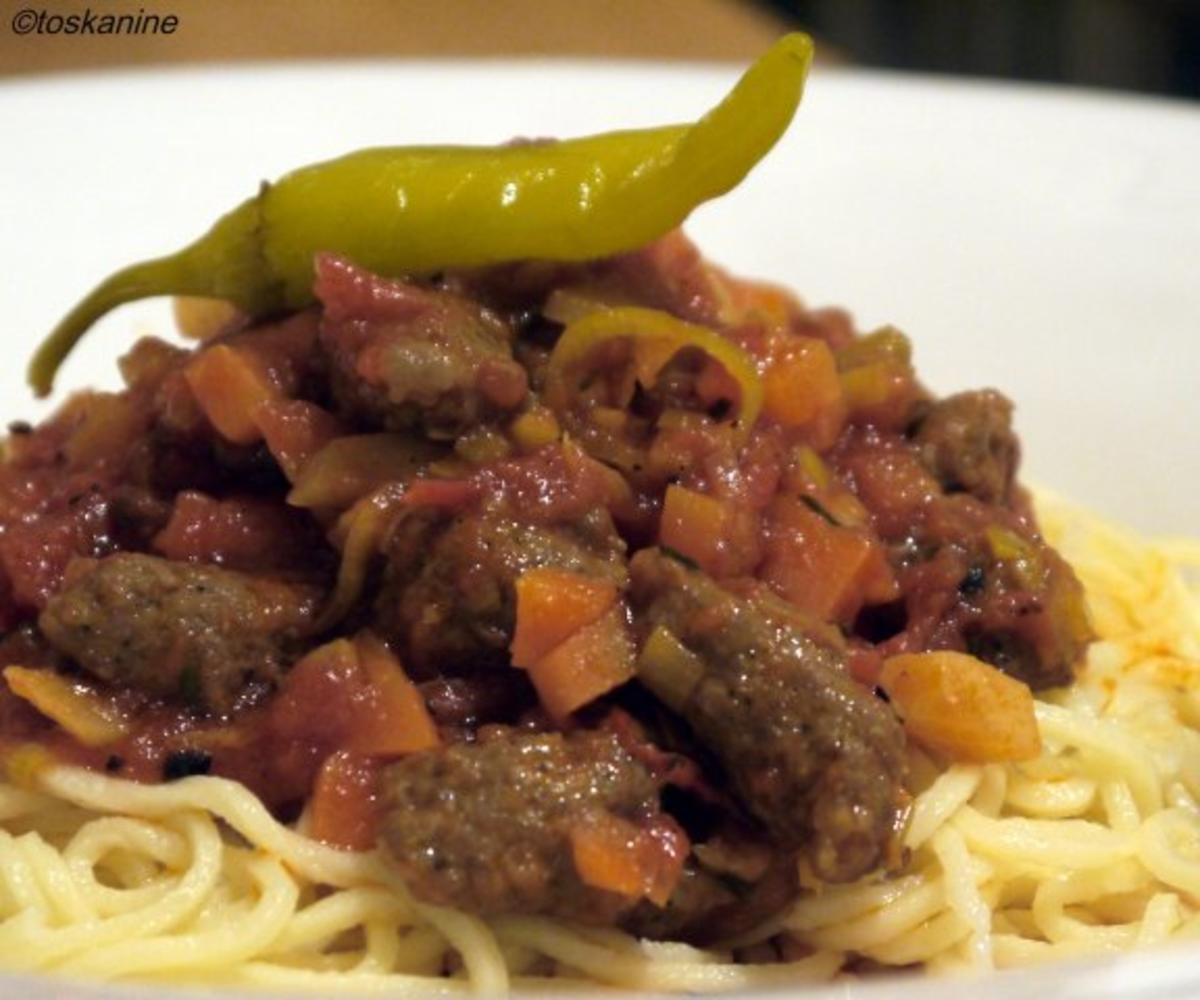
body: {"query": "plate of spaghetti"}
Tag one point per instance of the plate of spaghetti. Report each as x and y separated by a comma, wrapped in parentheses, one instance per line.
(461, 584)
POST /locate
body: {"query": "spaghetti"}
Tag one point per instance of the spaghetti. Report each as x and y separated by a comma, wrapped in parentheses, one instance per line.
(1092, 848)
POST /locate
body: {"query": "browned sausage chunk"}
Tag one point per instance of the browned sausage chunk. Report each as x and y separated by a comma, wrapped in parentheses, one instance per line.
(406, 356)
(967, 441)
(450, 593)
(818, 760)
(182, 631)
(487, 826)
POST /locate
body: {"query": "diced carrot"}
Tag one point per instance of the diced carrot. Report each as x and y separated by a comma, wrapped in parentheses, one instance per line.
(596, 659)
(552, 605)
(826, 569)
(295, 430)
(606, 857)
(92, 719)
(230, 388)
(343, 807)
(801, 384)
(616, 855)
(962, 707)
(397, 721)
(721, 536)
(695, 525)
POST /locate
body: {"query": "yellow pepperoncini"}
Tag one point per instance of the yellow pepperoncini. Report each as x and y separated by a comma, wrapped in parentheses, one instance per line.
(413, 210)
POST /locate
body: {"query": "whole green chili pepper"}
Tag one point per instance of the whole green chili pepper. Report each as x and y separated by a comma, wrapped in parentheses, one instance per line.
(421, 209)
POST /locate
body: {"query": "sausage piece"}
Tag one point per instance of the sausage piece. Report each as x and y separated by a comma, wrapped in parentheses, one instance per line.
(405, 356)
(487, 826)
(181, 631)
(450, 591)
(814, 757)
(967, 441)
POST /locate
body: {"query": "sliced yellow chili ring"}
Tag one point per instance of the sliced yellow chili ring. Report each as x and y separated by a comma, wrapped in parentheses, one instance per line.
(656, 337)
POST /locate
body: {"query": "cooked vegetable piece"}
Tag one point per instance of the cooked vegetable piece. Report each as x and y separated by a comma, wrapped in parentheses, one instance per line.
(93, 720)
(668, 668)
(813, 756)
(656, 337)
(362, 529)
(697, 526)
(397, 721)
(343, 809)
(962, 707)
(534, 429)
(591, 662)
(197, 634)
(246, 533)
(294, 430)
(801, 386)
(107, 424)
(203, 319)
(347, 468)
(615, 854)
(553, 604)
(823, 568)
(417, 210)
(230, 388)
(885, 345)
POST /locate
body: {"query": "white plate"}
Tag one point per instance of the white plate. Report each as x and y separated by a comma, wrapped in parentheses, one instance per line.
(1038, 240)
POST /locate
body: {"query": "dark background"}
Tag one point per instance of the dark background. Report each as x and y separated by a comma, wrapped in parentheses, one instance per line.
(1143, 45)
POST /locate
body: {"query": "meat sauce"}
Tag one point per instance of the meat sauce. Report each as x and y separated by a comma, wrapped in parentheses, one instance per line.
(708, 596)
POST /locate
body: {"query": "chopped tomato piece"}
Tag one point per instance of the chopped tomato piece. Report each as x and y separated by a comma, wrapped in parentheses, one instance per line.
(397, 721)
(353, 696)
(241, 532)
(344, 809)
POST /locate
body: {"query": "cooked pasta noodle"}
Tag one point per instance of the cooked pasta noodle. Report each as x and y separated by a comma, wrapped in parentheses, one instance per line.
(1094, 847)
